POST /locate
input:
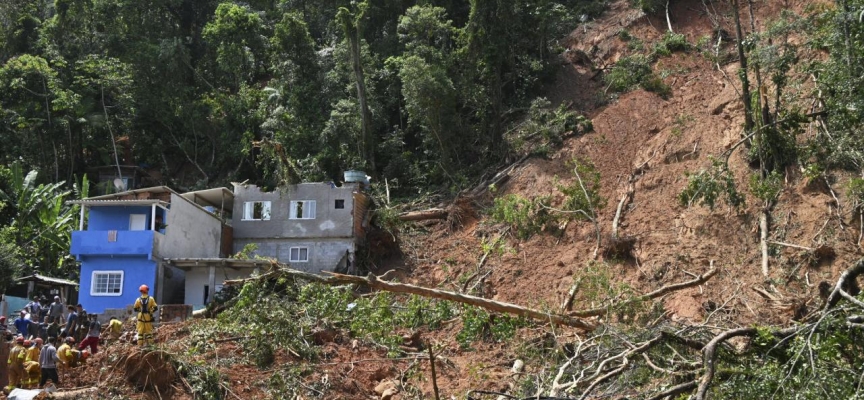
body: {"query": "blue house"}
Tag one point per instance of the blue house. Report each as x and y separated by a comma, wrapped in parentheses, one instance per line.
(123, 239)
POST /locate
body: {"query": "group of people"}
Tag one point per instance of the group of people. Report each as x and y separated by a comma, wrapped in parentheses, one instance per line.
(44, 322)
(39, 349)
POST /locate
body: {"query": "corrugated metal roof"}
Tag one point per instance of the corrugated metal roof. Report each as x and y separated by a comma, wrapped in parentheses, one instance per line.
(154, 189)
(218, 262)
(47, 279)
(216, 197)
(141, 202)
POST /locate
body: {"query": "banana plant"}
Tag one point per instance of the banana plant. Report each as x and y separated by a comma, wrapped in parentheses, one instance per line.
(40, 222)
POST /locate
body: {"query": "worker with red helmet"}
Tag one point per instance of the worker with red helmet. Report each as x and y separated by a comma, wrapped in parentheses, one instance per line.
(16, 363)
(145, 306)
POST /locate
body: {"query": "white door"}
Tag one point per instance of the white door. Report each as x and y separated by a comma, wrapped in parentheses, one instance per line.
(138, 222)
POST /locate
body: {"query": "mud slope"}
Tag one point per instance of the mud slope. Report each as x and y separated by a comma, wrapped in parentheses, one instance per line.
(668, 138)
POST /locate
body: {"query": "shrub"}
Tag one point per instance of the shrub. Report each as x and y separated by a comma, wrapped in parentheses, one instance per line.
(525, 216)
(649, 6)
(636, 70)
(670, 43)
(628, 72)
(706, 186)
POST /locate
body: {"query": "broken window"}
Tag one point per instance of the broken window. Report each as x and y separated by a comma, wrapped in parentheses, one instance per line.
(256, 211)
(299, 254)
(340, 204)
(302, 209)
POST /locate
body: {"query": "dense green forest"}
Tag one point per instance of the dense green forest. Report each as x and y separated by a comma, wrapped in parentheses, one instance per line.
(413, 90)
(207, 92)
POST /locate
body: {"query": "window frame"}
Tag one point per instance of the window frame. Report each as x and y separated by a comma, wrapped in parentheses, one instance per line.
(299, 249)
(292, 209)
(339, 204)
(249, 210)
(93, 275)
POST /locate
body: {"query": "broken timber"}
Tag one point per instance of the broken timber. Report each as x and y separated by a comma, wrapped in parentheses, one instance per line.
(434, 213)
(373, 282)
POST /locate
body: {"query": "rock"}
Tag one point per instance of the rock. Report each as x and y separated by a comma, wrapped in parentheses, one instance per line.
(385, 386)
(518, 365)
(323, 335)
(389, 393)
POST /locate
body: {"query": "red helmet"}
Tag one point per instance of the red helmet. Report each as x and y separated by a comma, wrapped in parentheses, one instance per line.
(27, 343)
(38, 341)
(144, 288)
(19, 339)
(2, 320)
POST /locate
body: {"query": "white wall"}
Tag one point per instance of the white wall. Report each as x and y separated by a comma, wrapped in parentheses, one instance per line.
(198, 277)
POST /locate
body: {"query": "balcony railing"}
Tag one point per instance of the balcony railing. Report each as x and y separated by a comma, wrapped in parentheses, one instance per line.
(86, 243)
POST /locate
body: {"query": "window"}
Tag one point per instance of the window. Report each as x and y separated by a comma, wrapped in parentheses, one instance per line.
(340, 204)
(299, 254)
(302, 209)
(106, 283)
(138, 222)
(256, 211)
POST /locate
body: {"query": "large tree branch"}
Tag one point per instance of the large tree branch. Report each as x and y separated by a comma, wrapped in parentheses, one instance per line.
(373, 282)
(651, 295)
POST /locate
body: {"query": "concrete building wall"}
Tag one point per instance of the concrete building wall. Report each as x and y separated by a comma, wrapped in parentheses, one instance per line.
(328, 222)
(171, 284)
(323, 254)
(191, 232)
(199, 277)
(137, 271)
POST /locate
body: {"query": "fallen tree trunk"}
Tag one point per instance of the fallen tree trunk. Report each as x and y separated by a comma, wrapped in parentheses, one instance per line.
(373, 282)
(433, 213)
(491, 305)
(763, 239)
(72, 394)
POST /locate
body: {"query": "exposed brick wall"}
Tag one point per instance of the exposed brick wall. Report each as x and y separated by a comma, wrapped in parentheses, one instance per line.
(174, 312)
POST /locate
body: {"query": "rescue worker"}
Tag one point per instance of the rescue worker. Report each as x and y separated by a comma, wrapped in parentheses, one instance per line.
(53, 329)
(115, 328)
(64, 352)
(32, 370)
(55, 310)
(48, 359)
(16, 363)
(71, 323)
(83, 324)
(22, 323)
(145, 306)
(92, 338)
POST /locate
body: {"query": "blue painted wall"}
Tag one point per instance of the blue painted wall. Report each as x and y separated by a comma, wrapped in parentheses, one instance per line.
(127, 243)
(138, 270)
(113, 218)
(116, 218)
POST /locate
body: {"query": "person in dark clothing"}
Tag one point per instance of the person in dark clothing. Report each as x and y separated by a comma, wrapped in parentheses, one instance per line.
(71, 323)
(48, 360)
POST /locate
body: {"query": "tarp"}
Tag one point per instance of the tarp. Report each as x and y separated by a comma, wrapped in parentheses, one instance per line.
(24, 394)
